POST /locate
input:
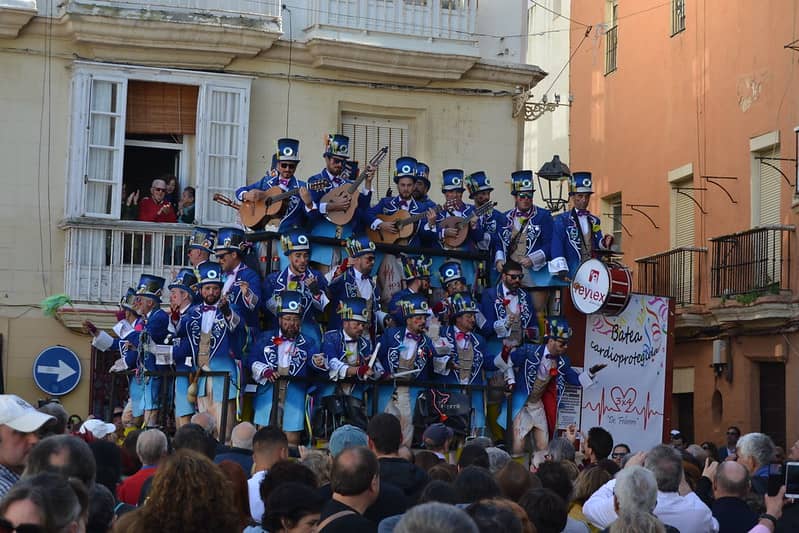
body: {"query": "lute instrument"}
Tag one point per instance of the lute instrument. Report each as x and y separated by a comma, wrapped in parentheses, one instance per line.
(461, 224)
(405, 225)
(349, 190)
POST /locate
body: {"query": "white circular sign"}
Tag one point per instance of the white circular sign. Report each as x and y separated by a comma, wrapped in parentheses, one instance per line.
(302, 239)
(590, 286)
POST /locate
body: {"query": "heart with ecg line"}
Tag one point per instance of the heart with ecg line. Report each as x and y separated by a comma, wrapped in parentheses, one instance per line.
(624, 399)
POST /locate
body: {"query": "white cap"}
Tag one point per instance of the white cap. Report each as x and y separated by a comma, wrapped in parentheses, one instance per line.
(18, 414)
(97, 427)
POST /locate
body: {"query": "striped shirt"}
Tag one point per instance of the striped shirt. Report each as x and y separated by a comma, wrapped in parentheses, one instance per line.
(7, 480)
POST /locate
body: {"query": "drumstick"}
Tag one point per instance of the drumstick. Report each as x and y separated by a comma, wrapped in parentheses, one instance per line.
(374, 355)
(406, 373)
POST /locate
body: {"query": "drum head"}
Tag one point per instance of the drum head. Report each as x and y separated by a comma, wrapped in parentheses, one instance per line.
(590, 286)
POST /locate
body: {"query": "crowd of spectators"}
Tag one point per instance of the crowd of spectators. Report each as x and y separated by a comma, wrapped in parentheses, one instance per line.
(55, 480)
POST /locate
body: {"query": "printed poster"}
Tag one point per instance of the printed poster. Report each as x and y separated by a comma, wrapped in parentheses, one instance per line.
(570, 405)
(627, 397)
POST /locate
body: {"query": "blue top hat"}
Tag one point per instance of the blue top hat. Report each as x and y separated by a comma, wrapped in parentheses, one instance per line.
(209, 272)
(128, 300)
(423, 266)
(202, 239)
(423, 173)
(452, 180)
(558, 328)
(462, 302)
(580, 182)
(450, 271)
(288, 150)
(521, 181)
(358, 246)
(294, 241)
(414, 305)
(477, 182)
(409, 267)
(337, 146)
(229, 240)
(406, 168)
(289, 303)
(353, 309)
(185, 280)
(150, 286)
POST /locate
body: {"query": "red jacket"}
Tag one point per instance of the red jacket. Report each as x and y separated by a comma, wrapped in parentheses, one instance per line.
(148, 211)
(128, 491)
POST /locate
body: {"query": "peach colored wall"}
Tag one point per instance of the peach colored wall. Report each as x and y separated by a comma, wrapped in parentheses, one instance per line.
(697, 97)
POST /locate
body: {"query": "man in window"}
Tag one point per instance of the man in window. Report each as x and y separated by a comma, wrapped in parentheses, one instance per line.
(155, 208)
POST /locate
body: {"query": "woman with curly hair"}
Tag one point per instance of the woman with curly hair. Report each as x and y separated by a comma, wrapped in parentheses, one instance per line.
(189, 493)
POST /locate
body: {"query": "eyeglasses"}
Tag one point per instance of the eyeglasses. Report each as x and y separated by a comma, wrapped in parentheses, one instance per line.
(526, 196)
(337, 160)
(222, 255)
(288, 165)
(8, 527)
(160, 189)
(617, 455)
(733, 433)
(515, 276)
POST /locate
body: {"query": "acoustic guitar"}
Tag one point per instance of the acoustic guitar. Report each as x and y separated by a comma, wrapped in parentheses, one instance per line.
(461, 225)
(405, 225)
(349, 190)
(256, 215)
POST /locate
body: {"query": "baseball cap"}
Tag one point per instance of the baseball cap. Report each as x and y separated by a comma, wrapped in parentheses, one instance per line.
(436, 434)
(347, 436)
(18, 414)
(97, 428)
(675, 434)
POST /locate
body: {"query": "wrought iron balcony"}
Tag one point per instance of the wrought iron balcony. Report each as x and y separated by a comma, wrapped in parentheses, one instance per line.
(675, 273)
(755, 261)
(104, 258)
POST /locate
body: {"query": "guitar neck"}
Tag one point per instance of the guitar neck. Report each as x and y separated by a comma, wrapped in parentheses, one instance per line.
(288, 194)
(415, 218)
(371, 168)
(357, 183)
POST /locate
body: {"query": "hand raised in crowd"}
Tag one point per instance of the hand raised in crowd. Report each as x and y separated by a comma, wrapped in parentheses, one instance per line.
(133, 198)
(165, 208)
(710, 469)
(636, 459)
(571, 433)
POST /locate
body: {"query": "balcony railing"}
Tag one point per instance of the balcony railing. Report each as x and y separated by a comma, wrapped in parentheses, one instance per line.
(752, 261)
(104, 258)
(675, 273)
(611, 43)
(442, 19)
(219, 8)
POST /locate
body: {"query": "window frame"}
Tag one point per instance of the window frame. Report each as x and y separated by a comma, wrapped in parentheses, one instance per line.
(677, 22)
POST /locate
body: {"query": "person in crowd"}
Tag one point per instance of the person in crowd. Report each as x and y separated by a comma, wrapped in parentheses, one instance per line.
(101, 510)
(732, 436)
(355, 483)
(46, 502)
(284, 472)
(546, 510)
(185, 207)
(597, 447)
(678, 440)
(635, 493)
(19, 423)
(497, 458)
(435, 517)
(108, 458)
(99, 429)
(58, 426)
(422, 185)
(554, 476)
(696, 453)
(172, 190)
(561, 449)
(438, 438)
(416, 273)
(130, 204)
(443, 472)
(588, 482)
(385, 436)
(755, 451)
(130, 461)
(474, 483)
(490, 517)
(195, 438)
(731, 485)
(292, 508)
(65, 455)
(298, 277)
(711, 450)
(189, 493)
(473, 455)
(677, 505)
(151, 448)
(515, 480)
(240, 451)
(239, 490)
(155, 208)
(269, 445)
(618, 453)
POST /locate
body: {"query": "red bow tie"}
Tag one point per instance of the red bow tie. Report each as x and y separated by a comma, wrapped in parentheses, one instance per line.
(413, 336)
(461, 336)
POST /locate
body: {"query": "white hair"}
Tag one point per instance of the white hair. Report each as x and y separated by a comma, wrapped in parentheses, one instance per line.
(758, 446)
(435, 517)
(636, 490)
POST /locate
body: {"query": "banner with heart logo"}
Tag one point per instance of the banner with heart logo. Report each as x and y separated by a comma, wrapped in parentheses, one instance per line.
(627, 397)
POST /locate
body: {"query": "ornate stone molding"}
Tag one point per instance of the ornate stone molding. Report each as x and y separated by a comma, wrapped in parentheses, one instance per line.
(14, 15)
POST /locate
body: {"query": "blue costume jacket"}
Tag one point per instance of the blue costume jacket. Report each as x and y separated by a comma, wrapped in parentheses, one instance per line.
(492, 307)
(247, 311)
(340, 356)
(346, 286)
(295, 215)
(312, 306)
(264, 356)
(320, 225)
(536, 241)
(437, 234)
(392, 344)
(566, 240)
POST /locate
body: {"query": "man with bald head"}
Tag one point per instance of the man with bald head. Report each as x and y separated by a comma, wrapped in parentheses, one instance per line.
(355, 481)
(731, 485)
(240, 450)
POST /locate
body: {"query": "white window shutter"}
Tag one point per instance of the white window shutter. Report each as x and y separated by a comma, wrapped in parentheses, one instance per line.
(223, 120)
(367, 136)
(770, 183)
(104, 147)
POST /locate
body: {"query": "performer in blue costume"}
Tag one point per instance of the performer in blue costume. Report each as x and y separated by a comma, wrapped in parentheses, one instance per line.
(527, 234)
(452, 186)
(200, 248)
(297, 276)
(242, 285)
(182, 293)
(210, 337)
(453, 281)
(347, 350)
(468, 358)
(127, 331)
(576, 234)
(337, 153)
(406, 354)
(357, 282)
(488, 225)
(416, 273)
(156, 328)
(540, 375)
(422, 185)
(285, 351)
(508, 311)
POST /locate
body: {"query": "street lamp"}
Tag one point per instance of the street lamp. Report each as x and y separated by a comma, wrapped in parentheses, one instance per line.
(554, 172)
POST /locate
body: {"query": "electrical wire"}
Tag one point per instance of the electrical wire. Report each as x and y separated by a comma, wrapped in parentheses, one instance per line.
(561, 15)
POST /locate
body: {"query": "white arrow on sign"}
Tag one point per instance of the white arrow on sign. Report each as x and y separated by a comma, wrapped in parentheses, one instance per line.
(63, 370)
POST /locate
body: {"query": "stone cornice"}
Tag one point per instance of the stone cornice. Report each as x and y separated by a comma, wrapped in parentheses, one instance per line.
(13, 19)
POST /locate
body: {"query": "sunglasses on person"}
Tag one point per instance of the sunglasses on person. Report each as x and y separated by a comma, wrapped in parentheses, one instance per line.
(160, 189)
(515, 276)
(526, 196)
(337, 160)
(617, 455)
(8, 527)
(733, 433)
(288, 166)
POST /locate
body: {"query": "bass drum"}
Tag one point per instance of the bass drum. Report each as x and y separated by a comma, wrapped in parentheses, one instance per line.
(600, 287)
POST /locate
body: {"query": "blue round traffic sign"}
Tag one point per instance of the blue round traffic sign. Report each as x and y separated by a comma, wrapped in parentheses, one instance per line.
(57, 370)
